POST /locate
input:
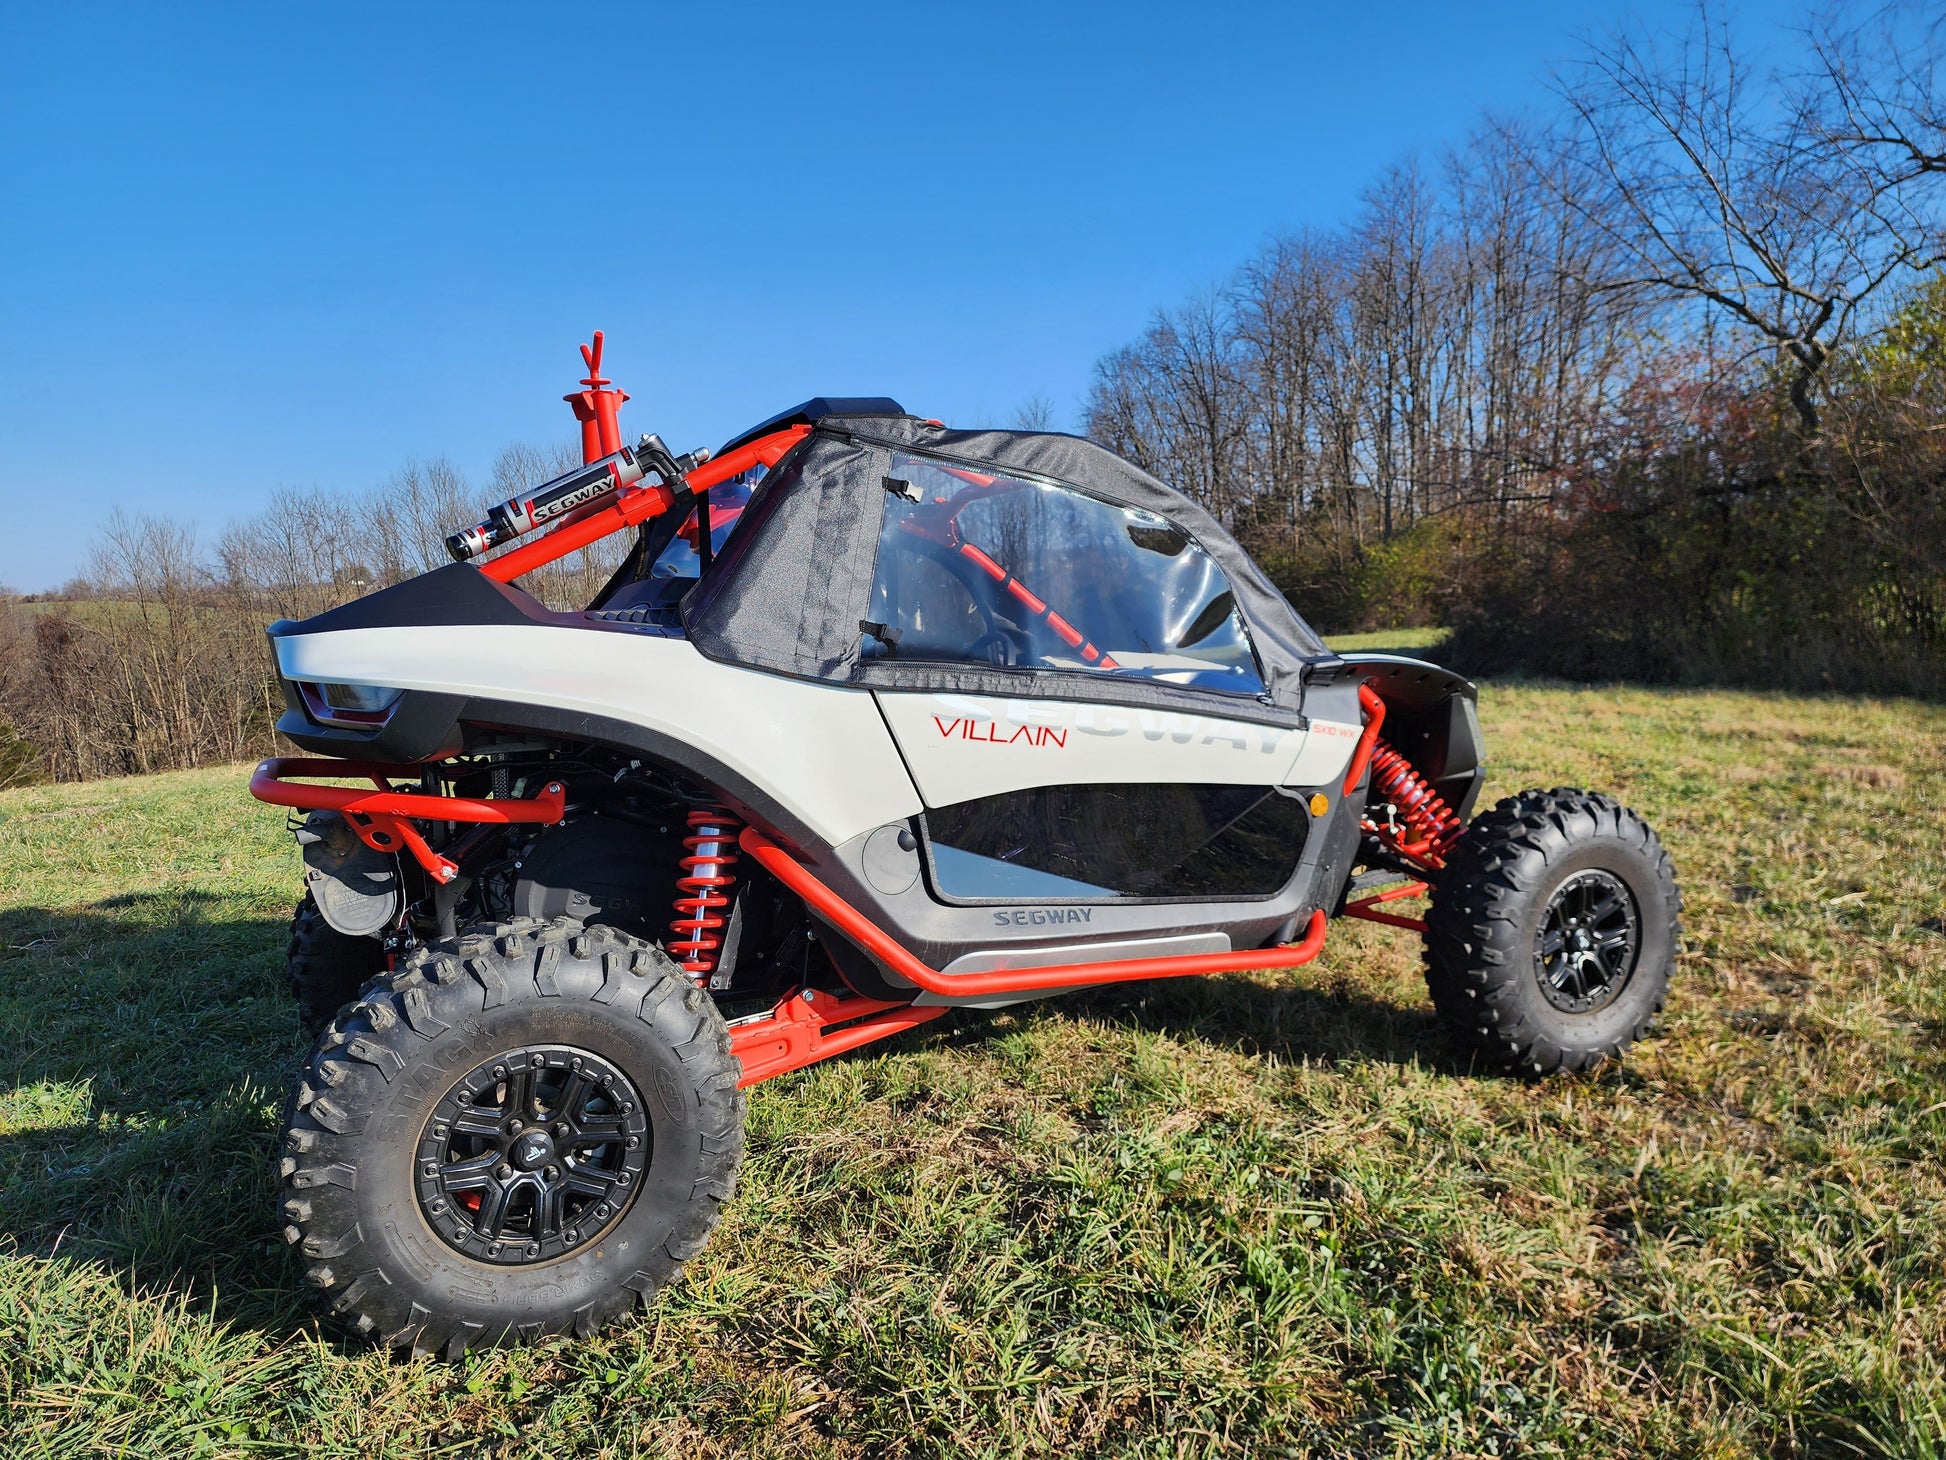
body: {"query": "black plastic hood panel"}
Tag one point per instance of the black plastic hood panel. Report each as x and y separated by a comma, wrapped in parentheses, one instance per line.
(456, 594)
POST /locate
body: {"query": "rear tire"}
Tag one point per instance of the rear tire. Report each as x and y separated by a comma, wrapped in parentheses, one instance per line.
(525, 1131)
(1553, 930)
(325, 968)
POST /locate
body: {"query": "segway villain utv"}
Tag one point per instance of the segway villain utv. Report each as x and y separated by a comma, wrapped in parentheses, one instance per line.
(876, 720)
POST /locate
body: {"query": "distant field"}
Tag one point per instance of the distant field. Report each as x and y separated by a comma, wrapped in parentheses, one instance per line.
(1268, 1214)
(1392, 641)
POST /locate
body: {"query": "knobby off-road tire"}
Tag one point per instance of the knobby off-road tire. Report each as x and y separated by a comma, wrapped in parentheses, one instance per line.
(398, 1076)
(1528, 925)
(326, 968)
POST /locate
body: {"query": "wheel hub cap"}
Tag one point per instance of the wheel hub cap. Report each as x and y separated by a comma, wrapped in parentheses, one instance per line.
(531, 1152)
(534, 1154)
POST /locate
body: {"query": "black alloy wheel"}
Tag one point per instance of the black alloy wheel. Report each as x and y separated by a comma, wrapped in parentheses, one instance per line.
(1589, 938)
(523, 1131)
(538, 1151)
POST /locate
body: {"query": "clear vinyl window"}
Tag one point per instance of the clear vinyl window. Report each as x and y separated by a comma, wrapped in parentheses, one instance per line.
(679, 557)
(975, 568)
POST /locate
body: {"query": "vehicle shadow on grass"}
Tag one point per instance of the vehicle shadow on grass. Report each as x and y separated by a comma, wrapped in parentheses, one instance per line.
(1287, 1023)
(146, 1042)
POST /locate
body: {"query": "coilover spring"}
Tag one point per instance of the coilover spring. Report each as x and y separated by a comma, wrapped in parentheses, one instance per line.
(703, 891)
(1431, 825)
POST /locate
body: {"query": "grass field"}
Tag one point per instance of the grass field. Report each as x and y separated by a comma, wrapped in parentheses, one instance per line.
(1275, 1214)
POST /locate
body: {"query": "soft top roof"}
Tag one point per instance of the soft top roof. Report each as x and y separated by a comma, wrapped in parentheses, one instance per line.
(816, 409)
(791, 586)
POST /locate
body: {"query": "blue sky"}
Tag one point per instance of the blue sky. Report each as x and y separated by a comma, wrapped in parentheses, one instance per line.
(245, 248)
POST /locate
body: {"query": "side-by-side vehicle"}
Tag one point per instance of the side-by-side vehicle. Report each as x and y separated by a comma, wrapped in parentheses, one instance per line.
(876, 719)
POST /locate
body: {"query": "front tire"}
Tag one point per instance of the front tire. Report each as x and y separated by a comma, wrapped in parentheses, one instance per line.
(1553, 930)
(525, 1131)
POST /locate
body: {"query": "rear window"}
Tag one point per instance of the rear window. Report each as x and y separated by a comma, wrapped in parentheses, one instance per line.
(679, 558)
(977, 568)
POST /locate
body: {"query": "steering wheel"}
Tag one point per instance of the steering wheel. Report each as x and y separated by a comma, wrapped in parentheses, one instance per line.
(997, 648)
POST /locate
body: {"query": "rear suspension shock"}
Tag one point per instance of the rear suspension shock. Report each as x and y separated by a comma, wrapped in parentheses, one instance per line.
(703, 890)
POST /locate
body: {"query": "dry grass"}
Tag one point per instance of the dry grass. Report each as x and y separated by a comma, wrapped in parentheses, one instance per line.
(1267, 1214)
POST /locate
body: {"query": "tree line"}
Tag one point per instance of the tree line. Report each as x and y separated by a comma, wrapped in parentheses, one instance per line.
(1648, 387)
(1651, 386)
(154, 658)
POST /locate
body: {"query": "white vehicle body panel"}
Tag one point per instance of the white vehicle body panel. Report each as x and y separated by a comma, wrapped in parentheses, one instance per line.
(821, 750)
(1326, 753)
(959, 747)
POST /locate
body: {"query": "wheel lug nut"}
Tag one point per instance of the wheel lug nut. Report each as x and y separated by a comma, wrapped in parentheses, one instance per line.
(504, 1171)
(554, 1173)
(560, 1129)
(514, 1127)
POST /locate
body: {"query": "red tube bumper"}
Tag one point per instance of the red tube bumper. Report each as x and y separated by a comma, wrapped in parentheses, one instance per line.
(381, 817)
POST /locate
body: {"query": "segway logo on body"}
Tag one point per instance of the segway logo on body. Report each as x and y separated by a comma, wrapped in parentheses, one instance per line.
(1037, 917)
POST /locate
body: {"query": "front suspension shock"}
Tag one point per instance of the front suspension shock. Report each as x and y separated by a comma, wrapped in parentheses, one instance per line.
(1431, 826)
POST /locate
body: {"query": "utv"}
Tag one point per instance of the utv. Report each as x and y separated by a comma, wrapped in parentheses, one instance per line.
(877, 719)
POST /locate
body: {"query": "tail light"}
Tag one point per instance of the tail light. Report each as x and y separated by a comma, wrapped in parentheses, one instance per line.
(357, 705)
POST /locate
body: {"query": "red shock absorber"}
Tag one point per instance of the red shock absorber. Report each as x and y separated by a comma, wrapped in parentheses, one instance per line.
(703, 891)
(1431, 825)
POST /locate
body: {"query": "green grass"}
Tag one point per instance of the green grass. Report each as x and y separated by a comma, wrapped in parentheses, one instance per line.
(1275, 1214)
(1391, 641)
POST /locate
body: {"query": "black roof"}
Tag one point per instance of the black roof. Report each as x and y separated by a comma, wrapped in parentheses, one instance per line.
(815, 410)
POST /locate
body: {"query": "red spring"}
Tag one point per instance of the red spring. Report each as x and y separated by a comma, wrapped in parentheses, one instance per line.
(704, 888)
(1431, 825)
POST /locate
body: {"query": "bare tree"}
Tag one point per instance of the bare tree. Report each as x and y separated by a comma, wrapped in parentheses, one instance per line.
(1877, 90)
(1713, 193)
(1036, 413)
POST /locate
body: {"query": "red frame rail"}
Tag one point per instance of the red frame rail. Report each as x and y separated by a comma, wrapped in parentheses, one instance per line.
(882, 946)
(1367, 907)
(382, 817)
(1361, 755)
(807, 1027)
